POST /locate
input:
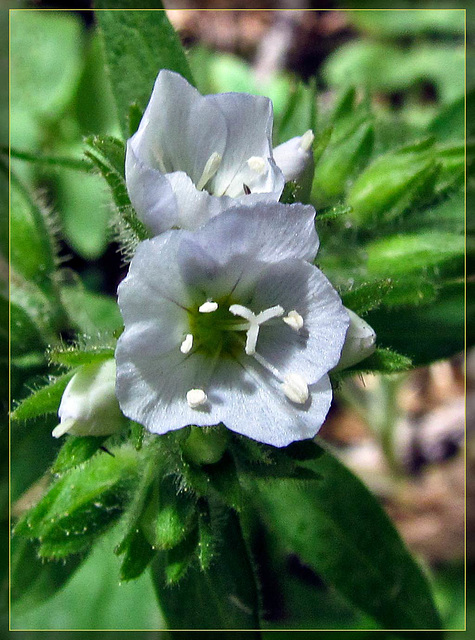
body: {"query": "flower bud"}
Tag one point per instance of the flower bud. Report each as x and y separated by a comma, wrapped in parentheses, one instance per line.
(89, 406)
(392, 183)
(360, 342)
(349, 149)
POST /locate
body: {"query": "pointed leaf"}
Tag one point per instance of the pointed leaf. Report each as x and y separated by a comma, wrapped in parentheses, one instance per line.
(44, 400)
(338, 528)
(137, 45)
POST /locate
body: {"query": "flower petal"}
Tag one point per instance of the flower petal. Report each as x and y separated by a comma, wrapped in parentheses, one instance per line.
(150, 193)
(153, 280)
(249, 133)
(316, 348)
(360, 342)
(268, 231)
(258, 408)
(180, 128)
(291, 158)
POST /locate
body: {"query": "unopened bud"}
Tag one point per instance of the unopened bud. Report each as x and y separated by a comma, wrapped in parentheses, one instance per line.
(360, 342)
(89, 405)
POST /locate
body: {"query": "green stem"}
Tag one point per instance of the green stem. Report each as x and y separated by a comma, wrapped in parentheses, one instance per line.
(66, 163)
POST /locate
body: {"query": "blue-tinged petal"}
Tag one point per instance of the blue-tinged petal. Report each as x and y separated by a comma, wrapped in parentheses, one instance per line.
(258, 408)
(315, 348)
(180, 128)
(268, 231)
(293, 157)
(360, 342)
(249, 133)
(150, 193)
(153, 279)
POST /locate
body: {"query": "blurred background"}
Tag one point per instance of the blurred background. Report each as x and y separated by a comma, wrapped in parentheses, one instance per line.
(403, 434)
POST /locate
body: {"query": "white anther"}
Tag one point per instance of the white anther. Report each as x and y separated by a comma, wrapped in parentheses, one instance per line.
(211, 166)
(257, 164)
(195, 398)
(294, 320)
(295, 388)
(306, 140)
(187, 343)
(208, 307)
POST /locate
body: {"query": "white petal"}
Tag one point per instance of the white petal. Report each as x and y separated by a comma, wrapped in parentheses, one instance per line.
(269, 232)
(180, 126)
(360, 342)
(315, 349)
(151, 194)
(259, 409)
(292, 158)
(249, 131)
(152, 388)
(153, 289)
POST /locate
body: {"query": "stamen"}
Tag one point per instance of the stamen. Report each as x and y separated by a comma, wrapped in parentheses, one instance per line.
(195, 398)
(294, 320)
(307, 140)
(254, 322)
(187, 343)
(268, 314)
(257, 164)
(208, 307)
(211, 166)
(295, 388)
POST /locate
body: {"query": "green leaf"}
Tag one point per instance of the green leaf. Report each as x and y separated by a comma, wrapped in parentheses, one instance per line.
(137, 45)
(138, 555)
(91, 313)
(224, 597)
(381, 361)
(405, 253)
(74, 357)
(39, 85)
(44, 400)
(34, 580)
(75, 451)
(367, 296)
(85, 209)
(427, 332)
(170, 515)
(300, 112)
(116, 183)
(332, 526)
(81, 504)
(33, 250)
(179, 559)
(348, 149)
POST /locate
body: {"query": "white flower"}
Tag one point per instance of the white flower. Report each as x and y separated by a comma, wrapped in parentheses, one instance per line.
(89, 405)
(295, 155)
(360, 342)
(193, 156)
(231, 323)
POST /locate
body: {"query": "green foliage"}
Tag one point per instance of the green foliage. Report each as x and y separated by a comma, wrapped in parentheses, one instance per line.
(75, 451)
(367, 296)
(106, 155)
(137, 45)
(89, 312)
(169, 516)
(81, 505)
(44, 400)
(381, 361)
(34, 580)
(383, 580)
(403, 254)
(223, 597)
(75, 357)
